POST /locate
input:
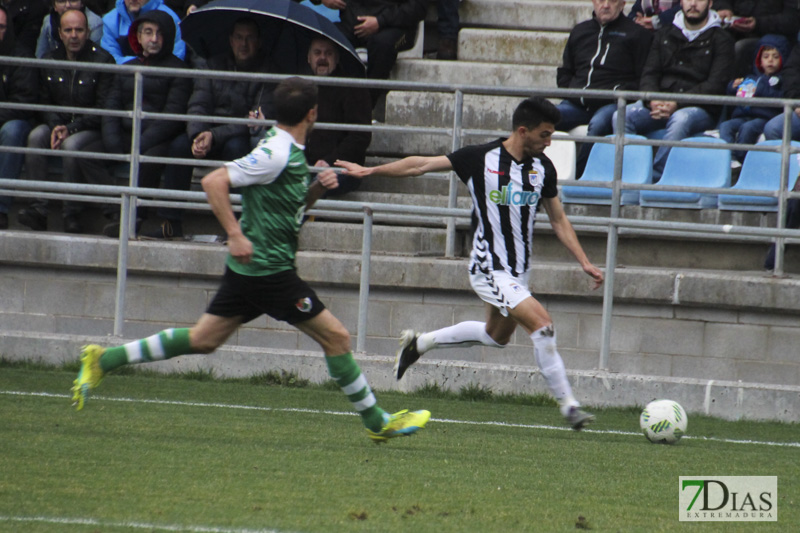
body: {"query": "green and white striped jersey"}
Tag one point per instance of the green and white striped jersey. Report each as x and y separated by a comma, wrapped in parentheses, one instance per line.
(274, 182)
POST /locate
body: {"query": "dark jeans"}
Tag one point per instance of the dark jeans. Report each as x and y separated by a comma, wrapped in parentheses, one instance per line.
(179, 177)
(75, 170)
(447, 22)
(382, 49)
(12, 133)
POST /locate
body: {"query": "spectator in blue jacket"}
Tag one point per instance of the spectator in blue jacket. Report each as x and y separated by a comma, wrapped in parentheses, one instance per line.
(117, 22)
(747, 121)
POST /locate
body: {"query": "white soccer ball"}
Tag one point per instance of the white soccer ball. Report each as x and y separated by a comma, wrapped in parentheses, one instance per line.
(663, 422)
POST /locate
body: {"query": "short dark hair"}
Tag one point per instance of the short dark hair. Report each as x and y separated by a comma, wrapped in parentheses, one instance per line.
(533, 111)
(294, 98)
(246, 21)
(85, 18)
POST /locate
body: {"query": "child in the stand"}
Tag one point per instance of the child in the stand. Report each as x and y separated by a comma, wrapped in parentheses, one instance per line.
(747, 121)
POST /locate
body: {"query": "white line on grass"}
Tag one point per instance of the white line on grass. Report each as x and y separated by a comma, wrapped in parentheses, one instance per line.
(350, 413)
(134, 525)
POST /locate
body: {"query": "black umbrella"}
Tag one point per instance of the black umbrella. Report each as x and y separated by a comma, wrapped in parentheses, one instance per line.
(287, 29)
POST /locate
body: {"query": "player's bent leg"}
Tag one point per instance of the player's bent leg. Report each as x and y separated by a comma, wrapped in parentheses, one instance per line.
(537, 322)
(209, 332)
(326, 330)
(494, 333)
(329, 333)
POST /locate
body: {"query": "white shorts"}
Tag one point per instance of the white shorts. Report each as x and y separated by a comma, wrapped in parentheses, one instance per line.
(500, 289)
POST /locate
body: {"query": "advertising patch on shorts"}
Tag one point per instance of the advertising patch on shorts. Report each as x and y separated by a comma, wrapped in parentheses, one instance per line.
(516, 288)
(303, 305)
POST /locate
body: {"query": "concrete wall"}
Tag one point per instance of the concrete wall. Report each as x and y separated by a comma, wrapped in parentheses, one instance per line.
(57, 293)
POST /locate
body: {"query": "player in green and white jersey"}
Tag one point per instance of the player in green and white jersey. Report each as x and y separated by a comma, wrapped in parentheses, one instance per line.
(260, 275)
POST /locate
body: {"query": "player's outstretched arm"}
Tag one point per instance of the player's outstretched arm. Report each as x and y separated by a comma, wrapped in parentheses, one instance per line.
(217, 186)
(566, 234)
(414, 165)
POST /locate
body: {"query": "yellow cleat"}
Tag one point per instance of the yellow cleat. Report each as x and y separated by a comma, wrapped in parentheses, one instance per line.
(401, 424)
(89, 376)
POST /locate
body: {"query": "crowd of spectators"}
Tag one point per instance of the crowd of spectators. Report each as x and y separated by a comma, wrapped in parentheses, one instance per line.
(148, 33)
(702, 47)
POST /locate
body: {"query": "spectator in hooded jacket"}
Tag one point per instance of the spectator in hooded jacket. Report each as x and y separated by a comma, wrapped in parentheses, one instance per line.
(18, 85)
(791, 89)
(607, 51)
(747, 121)
(117, 23)
(49, 38)
(749, 20)
(695, 56)
(222, 98)
(68, 85)
(151, 37)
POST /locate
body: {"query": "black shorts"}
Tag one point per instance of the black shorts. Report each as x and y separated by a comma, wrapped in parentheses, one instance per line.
(283, 296)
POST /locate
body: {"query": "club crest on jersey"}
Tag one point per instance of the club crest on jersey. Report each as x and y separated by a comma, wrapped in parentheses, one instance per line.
(303, 305)
(535, 177)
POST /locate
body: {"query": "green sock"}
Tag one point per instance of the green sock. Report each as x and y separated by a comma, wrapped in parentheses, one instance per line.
(344, 370)
(164, 345)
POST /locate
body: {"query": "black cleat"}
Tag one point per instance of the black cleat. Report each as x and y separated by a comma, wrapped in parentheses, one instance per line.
(407, 355)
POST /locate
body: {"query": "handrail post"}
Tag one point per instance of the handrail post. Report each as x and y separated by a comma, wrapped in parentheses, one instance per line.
(613, 234)
(363, 289)
(136, 144)
(784, 185)
(452, 200)
(122, 265)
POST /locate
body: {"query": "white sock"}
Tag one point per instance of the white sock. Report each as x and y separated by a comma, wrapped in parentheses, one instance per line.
(470, 333)
(552, 367)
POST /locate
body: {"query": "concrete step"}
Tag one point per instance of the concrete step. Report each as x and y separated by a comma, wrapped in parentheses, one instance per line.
(550, 15)
(511, 46)
(339, 237)
(474, 73)
(434, 109)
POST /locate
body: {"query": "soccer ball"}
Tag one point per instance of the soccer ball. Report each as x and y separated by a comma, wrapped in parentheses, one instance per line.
(663, 422)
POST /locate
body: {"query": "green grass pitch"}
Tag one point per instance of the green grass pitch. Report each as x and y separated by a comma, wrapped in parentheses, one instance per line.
(151, 453)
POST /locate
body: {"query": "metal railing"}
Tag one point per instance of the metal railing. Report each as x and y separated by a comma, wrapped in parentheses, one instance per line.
(130, 197)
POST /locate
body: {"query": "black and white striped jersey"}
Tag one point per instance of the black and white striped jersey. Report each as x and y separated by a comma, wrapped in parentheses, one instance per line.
(505, 196)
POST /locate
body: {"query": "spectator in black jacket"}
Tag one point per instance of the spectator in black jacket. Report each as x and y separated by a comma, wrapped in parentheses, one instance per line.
(221, 98)
(384, 27)
(17, 85)
(694, 55)
(151, 37)
(69, 86)
(27, 17)
(607, 51)
(338, 105)
(654, 14)
(749, 20)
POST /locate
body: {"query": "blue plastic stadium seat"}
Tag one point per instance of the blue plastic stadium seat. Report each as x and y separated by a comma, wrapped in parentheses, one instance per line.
(691, 167)
(761, 171)
(657, 135)
(637, 167)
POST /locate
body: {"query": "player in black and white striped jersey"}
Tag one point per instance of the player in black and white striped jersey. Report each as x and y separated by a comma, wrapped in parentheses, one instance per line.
(507, 180)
